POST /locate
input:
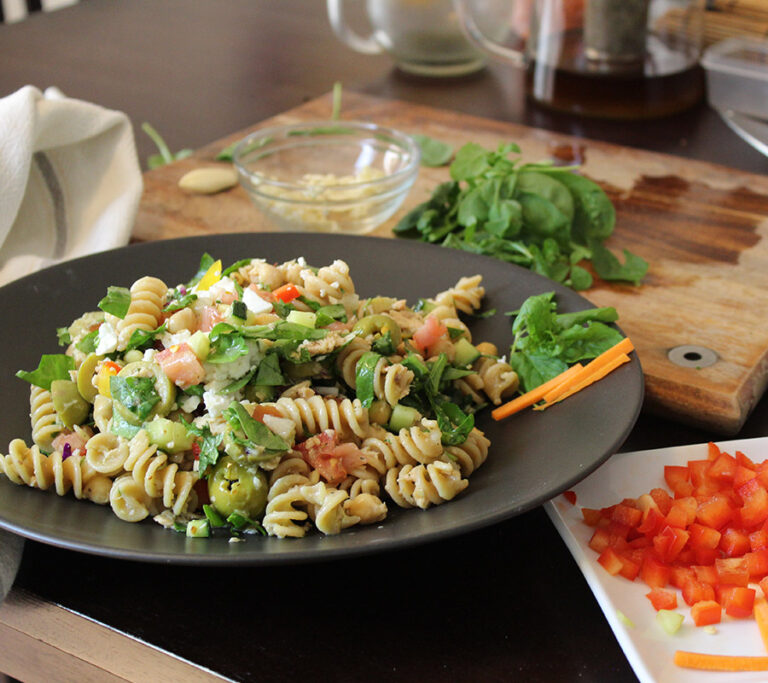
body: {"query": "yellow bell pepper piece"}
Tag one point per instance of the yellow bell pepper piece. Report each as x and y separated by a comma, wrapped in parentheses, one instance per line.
(211, 277)
(108, 370)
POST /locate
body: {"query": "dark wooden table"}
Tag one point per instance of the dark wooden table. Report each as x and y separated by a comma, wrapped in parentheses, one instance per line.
(506, 602)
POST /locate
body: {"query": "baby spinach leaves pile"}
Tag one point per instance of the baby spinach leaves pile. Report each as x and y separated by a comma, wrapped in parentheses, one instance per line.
(540, 216)
(546, 342)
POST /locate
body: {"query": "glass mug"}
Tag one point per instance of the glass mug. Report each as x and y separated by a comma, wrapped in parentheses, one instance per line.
(611, 58)
(422, 36)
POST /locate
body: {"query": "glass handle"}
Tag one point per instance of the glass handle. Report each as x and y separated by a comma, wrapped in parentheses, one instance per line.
(366, 45)
(475, 35)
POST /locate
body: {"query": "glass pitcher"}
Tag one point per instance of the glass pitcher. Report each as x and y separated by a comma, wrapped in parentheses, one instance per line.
(610, 58)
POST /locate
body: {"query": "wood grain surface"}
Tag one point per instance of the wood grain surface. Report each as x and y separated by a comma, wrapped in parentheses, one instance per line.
(700, 226)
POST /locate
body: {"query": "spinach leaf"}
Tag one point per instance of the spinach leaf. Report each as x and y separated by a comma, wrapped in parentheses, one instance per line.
(51, 367)
(63, 336)
(365, 377)
(89, 342)
(142, 338)
(269, 372)
(608, 267)
(256, 432)
(137, 394)
(433, 152)
(227, 344)
(116, 302)
(207, 442)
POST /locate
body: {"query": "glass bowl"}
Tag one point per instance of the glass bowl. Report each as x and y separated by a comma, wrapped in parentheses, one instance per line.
(327, 176)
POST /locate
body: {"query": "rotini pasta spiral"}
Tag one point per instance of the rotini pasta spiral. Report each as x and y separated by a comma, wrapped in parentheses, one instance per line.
(316, 414)
(25, 465)
(424, 485)
(42, 414)
(329, 514)
(330, 285)
(129, 500)
(102, 412)
(367, 507)
(145, 309)
(391, 381)
(106, 453)
(282, 517)
(466, 295)
(160, 478)
(497, 377)
(419, 444)
(347, 357)
(470, 454)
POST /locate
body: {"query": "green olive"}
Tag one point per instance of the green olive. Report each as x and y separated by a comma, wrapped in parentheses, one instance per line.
(85, 377)
(164, 387)
(70, 406)
(169, 436)
(378, 304)
(235, 488)
(383, 324)
(379, 412)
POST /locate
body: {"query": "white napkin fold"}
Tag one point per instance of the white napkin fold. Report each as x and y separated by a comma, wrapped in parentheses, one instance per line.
(70, 181)
(70, 185)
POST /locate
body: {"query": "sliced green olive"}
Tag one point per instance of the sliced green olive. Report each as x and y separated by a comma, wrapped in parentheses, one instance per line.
(70, 406)
(169, 436)
(237, 488)
(163, 386)
(381, 324)
(85, 377)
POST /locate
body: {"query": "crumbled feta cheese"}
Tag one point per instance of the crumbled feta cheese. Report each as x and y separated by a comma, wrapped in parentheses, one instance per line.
(216, 403)
(189, 403)
(107, 339)
(168, 340)
(255, 303)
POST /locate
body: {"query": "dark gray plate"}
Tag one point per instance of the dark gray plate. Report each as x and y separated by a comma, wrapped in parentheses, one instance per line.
(533, 457)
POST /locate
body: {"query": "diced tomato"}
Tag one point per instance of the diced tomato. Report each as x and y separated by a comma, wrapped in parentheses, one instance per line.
(734, 542)
(75, 440)
(317, 451)
(180, 365)
(662, 599)
(677, 479)
(695, 591)
(732, 571)
(654, 573)
(351, 456)
(610, 561)
(738, 601)
(286, 293)
(209, 318)
(429, 333)
(570, 496)
(706, 612)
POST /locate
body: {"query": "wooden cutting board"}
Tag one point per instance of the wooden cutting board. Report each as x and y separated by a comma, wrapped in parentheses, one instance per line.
(699, 321)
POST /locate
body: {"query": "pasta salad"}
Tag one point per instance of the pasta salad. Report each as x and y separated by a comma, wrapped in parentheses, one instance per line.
(262, 397)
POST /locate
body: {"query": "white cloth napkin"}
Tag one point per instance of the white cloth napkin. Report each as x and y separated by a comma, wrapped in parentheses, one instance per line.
(70, 181)
(70, 185)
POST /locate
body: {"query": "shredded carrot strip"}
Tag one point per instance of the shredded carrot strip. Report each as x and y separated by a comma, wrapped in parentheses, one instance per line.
(577, 384)
(761, 617)
(706, 662)
(534, 395)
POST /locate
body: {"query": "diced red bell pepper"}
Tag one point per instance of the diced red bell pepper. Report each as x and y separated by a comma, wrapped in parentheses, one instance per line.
(757, 563)
(651, 523)
(662, 599)
(662, 499)
(723, 468)
(669, 542)
(715, 513)
(703, 536)
(679, 576)
(706, 573)
(738, 601)
(695, 591)
(286, 293)
(758, 540)
(713, 451)
(570, 496)
(743, 475)
(591, 516)
(677, 479)
(755, 509)
(734, 542)
(744, 461)
(733, 571)
(654, 573)
(703, 484)
(629, 516)
(610, 561)
(706, 612)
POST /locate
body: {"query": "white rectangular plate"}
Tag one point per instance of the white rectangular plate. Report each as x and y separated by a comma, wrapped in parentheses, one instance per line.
(648, 648)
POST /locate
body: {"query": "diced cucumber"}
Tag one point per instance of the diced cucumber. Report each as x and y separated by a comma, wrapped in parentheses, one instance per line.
(306, 318)
(239, 310)
(200, 344)
(198, 528)
(169, 436)
(669, 620)
(466, 352)
(403, 417)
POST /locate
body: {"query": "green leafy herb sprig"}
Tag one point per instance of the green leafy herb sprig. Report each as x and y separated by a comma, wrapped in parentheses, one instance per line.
(546, 343)
(164, 155)
(540, 216)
